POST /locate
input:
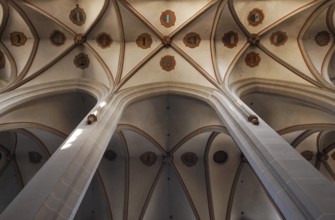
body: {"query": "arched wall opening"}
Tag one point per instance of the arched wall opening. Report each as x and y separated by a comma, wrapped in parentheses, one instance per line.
(30, 132)
(171, 157)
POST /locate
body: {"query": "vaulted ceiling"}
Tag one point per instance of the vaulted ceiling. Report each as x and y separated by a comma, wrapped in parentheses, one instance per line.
(113, 45)
(212, 43)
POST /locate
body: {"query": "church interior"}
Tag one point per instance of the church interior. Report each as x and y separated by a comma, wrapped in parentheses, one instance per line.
(167, 109)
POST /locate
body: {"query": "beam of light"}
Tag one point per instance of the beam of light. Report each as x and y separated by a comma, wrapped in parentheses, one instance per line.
(73, 137)
(102, 104)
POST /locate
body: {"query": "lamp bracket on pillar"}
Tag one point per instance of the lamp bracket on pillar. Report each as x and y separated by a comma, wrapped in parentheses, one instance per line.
(91, 119)
(253, 119)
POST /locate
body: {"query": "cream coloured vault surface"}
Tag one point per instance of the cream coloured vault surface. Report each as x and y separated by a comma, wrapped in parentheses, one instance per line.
(60, 59)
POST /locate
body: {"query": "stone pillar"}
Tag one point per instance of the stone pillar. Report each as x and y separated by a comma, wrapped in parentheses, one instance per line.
(55, 192)
(297, 188)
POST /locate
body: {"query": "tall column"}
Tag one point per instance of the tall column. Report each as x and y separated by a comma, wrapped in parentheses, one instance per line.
(55, 192)
(298, 189)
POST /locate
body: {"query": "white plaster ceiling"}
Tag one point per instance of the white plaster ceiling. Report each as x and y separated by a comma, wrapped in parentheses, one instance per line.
(124, 64)
(139, 190)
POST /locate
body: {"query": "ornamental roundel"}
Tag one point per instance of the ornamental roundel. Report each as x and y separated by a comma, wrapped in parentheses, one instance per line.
(110, 155)
(255, 17)
(34, 157)
(18, 38)
(307, 154)
(168, 63)
(252, 59)
(278, 38)
(144, 41)
(104, 40)
(333, 155)
(230, 39)
(78, 16)
(189, 159)
(82, 61)
(2, 60)
(220, 157)
(148, 158)
(192, 40)
(168, 18)
(322, 38)
(57, 38)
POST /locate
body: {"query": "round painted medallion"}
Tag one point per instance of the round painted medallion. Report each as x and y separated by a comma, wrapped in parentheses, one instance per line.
(168, 63)
(307, 154)
(148, 158)
(57, 38)
(220, 157)
(255, 17)
(34, 157)
(333, 155)
(322, 38)
(192, 40)
(82, 61)
(18, 38)
(278, 38)
(144, 41)
(189, 159)
(104, 40)
(168, 18)
(230, 39)
(110, 155)
(252, 59)
(78, 16)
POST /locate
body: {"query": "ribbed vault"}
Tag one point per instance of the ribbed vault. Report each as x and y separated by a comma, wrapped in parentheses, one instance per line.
(163, 167)
(249, 50)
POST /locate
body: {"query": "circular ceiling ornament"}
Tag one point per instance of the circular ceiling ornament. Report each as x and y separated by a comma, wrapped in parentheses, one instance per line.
(144, 41)
(34, 157)
(322, 38)
(192, 40)
(333, 155)
(168, 63)
(82, 61)
(110, 155)
(148, 158)
(104, 40)
(252, 59)
(230, 39)
(220, 157)
(168, 18)
(18, 38)
(57, 38)
(278, 38)
(307, 154)
(78, 16)
(189, 159)
(255, 17)
(2, 60)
